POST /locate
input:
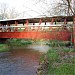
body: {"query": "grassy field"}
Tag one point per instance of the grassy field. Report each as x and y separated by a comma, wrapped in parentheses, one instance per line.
(61, 58)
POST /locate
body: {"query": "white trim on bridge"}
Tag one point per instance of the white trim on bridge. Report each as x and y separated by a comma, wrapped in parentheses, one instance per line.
(30, 26)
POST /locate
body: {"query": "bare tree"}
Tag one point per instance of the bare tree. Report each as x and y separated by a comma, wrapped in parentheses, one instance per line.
(6, 12)
(61, 7)
(13, 13)
(74, 6)
(3, 10)
(66, 6)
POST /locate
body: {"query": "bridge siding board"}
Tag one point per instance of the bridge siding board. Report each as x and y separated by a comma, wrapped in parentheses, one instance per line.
(62, 35)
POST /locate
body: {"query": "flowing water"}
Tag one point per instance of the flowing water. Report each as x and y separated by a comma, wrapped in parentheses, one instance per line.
(21, 61)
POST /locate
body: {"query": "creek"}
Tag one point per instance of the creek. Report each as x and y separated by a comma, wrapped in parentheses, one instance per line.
(21, 61)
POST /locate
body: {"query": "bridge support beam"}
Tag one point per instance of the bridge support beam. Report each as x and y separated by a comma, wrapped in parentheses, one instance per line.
(16, 29)
(65, 21)
(26, 23)
(0, 28)
(39, 28)
(51, 23)
(8, 29)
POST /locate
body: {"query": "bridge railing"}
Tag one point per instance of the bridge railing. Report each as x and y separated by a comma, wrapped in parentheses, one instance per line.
(41, 27)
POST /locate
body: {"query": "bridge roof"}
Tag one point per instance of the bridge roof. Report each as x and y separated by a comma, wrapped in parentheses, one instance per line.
(36, 20)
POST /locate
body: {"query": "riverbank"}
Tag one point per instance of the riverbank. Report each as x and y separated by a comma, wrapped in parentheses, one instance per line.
(59, 60)
(4, 48)
(11, 44)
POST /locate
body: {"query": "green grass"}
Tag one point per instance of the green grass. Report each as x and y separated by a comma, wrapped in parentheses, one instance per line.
(18, 43)
(63, 69)
(56, 43)
(59, 66)
(4, 48)
(65, 49)
(61, 60)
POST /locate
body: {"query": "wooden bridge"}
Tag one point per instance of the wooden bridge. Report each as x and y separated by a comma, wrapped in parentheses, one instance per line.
(38, 28)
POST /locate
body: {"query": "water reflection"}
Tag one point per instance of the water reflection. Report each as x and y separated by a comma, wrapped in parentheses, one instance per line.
(40, 48)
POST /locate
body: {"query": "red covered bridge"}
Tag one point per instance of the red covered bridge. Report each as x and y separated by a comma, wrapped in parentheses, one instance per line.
(37, 28)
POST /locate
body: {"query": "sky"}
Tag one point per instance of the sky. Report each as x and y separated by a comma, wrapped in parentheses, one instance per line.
(30, 8)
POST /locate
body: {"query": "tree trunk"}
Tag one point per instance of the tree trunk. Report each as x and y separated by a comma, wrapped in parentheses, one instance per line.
(74, 30)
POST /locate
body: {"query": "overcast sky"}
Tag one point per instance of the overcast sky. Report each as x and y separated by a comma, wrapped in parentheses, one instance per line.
(31, 8)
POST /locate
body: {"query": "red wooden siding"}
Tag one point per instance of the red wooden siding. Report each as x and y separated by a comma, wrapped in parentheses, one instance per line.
(61, 35)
